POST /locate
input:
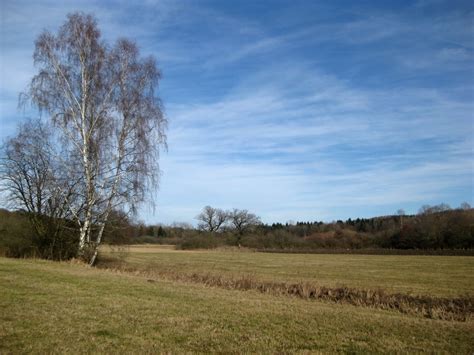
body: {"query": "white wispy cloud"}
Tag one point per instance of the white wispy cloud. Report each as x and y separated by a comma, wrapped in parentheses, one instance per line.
(308, 141)
(274, 118)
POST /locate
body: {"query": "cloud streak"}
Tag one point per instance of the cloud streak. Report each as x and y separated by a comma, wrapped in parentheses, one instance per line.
(314, 116)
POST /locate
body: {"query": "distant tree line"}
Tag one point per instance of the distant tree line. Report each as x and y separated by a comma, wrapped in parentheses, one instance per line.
(433, 228)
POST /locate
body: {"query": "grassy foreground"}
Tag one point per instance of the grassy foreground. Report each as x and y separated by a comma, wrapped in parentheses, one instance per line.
(61, 307)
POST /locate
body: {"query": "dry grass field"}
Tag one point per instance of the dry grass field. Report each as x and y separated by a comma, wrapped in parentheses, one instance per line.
(50, 307)
(443, 276)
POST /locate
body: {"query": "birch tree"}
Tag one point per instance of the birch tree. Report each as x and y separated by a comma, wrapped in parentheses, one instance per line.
(102, 100)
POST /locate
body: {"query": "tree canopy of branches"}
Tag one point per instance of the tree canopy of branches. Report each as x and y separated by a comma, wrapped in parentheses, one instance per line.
(242, 220)
(215, 219)
(32, 182)
(212, 219)
(427, 209)
(27, 168)
(103, 105)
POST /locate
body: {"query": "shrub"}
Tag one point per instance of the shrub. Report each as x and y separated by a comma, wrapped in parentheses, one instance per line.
(201, 241)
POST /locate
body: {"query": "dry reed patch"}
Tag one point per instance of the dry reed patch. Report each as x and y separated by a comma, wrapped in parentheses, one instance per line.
(445, 308)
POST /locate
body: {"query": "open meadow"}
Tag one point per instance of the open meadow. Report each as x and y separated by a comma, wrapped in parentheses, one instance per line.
(413, 274)
(139, 301)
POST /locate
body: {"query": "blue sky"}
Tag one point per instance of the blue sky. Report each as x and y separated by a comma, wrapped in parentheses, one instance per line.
(295, 110)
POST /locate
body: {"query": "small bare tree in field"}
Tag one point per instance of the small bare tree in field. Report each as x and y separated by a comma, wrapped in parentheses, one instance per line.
(243, 221)
(102, 100)
(212, 219)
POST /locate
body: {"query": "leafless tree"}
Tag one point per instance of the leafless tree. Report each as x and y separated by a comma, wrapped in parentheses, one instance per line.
(242, 220)
(212, 219)
(32, 180)
(427, 209)
(26, 168)
(103, 102)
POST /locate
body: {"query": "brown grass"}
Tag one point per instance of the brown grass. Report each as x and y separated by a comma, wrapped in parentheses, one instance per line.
(445, 308)
(50, 307)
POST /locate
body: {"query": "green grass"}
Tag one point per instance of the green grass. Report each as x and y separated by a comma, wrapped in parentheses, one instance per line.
(58, 307)
(447, 276)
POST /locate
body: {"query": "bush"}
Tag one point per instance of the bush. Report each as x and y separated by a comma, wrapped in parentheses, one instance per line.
(202, 241)
(277, 239)
(145, 239)
(19, 239)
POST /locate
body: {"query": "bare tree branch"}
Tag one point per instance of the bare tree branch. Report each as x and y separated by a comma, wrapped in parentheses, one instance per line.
(103, 101)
